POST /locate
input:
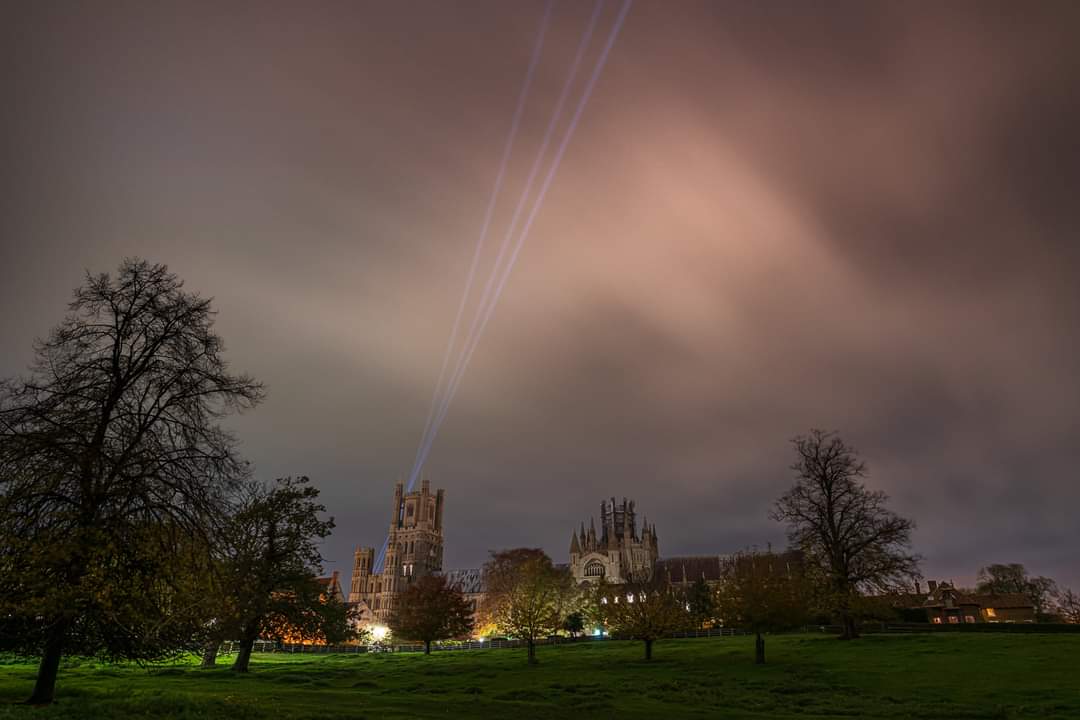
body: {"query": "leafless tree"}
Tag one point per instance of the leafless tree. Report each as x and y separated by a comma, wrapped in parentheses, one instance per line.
(1069, 606)
(847, 535)
(113, 468)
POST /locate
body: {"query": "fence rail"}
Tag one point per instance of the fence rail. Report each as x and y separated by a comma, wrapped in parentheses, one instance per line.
(1024, 628)
(498, 643)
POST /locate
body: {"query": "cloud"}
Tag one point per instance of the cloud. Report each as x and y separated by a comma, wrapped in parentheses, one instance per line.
(770, 218)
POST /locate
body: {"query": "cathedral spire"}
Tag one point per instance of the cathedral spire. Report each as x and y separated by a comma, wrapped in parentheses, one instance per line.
(575, 548)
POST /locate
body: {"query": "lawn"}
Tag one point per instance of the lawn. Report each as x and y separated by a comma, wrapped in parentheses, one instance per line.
(906, 676)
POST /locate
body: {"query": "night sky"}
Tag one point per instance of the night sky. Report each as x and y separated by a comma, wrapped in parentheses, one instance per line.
(772, 217)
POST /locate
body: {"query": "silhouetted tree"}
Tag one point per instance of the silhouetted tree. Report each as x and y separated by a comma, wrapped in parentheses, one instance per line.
(429, 610)
(1069, 606)
(1013, 578)
(762, 592)
(850, 540)
(527, 596)
(272, 568)
(646, 609)
(113, 471)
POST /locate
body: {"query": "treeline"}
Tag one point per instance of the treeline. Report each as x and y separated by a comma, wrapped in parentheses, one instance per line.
(130, 528)
(849, 560)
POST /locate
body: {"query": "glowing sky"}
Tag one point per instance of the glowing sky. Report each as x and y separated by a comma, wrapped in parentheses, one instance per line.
(772, 217)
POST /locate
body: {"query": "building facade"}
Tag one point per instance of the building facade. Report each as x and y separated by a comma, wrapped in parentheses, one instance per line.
(414, 549)
(945, 604)
(620, 552)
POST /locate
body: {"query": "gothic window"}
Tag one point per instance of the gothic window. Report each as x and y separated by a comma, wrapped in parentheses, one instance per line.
(594, 568)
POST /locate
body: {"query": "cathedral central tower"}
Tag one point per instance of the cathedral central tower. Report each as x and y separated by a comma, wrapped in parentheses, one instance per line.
(619, 553)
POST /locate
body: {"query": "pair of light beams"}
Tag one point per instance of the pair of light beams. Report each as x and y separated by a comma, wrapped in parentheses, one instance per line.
(510, 247)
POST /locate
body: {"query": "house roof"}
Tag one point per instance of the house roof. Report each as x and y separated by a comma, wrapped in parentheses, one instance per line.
(692, 567)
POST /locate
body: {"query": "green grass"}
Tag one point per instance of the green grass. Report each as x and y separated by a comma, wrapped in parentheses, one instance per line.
(951, 676)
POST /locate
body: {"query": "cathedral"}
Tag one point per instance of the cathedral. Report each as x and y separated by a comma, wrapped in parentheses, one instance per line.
(620, 553)
(414, 549)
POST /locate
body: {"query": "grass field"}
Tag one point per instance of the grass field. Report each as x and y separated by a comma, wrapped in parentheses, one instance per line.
(910, 676)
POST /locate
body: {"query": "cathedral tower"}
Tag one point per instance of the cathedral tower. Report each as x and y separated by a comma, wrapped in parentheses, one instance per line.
(414, 549)
(620, 552)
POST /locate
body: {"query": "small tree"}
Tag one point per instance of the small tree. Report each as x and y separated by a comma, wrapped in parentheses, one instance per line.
(114, 470)
(574, 624)
(430, 609)
(762, 592)
(850, 540)
(1013, 578)
(645, 609)
(272, 568)
(1069, 606)
(527, 596)
(700, 603)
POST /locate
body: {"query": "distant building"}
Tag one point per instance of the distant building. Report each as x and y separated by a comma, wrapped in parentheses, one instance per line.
(619, 552)
(471, 584)
(414, 549)
(944, 604)
(687, 570)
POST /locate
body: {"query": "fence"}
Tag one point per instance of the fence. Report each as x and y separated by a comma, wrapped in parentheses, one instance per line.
(499, 643)
(494, 643)
(870, 628)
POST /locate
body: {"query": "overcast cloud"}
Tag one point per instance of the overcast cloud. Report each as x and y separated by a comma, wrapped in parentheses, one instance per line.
(773, 216)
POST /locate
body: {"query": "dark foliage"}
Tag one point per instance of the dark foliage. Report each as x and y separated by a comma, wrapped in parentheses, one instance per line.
(114, 473)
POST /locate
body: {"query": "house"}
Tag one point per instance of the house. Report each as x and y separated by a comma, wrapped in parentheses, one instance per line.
(944, 604)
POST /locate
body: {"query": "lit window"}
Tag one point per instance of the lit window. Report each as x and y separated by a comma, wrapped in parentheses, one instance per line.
(990, 613)
(969, 618)
(937, 621)
(953, 619)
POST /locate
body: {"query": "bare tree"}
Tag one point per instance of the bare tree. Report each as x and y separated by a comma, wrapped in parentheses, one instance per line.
(527, 596)
(645, 608)
(762, 592)
(113, 469)
(847, 535)
(429, 610)
(1069, 606)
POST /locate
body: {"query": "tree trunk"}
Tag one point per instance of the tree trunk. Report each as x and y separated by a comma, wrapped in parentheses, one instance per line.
(45, 685)
(209, 655)
(427, 647)
(648, 649)
(850, 631)
(243, 658)
(532, 651)
(759, 649)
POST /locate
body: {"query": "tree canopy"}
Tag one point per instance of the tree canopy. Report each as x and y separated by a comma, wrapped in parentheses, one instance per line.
(762, 592)
(645, 608)
(850, 540)
(527, 596)
(430, 609)
(114, 471)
